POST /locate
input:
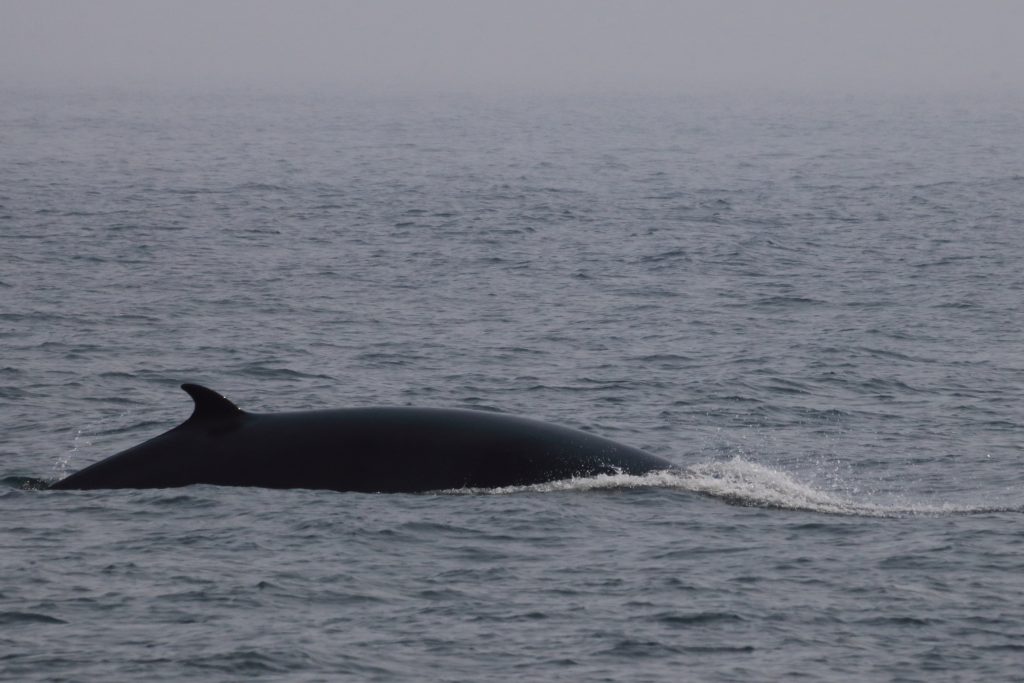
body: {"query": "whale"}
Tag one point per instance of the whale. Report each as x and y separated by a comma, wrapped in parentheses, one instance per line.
(368, 450)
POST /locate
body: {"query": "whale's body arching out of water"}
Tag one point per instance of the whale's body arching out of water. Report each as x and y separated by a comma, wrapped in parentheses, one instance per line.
(387, 450)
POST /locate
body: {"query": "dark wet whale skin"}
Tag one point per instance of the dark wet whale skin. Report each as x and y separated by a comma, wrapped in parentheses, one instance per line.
(360, 449)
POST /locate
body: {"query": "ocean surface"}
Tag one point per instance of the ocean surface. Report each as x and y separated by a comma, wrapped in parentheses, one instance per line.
(813, 305)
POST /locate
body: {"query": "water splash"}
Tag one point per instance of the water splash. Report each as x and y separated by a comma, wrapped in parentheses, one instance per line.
(82, 443)
(62, 464)
(24, 483)
(742, 482)
(750, 484)
(663, 479)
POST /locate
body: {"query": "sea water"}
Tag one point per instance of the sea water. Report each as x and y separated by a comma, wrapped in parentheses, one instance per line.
(812, 305)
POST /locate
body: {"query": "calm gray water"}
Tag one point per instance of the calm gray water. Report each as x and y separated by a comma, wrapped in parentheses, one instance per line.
(813, 306)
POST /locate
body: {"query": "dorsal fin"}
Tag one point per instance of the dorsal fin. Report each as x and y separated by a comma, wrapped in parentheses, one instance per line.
(209, 404)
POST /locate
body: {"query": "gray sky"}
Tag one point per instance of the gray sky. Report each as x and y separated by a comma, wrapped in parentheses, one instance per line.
(573, 45)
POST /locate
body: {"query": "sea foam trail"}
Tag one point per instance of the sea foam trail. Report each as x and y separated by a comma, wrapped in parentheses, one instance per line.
(741, 482)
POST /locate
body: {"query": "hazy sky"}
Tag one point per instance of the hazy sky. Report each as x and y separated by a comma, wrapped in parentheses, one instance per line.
(577, 45)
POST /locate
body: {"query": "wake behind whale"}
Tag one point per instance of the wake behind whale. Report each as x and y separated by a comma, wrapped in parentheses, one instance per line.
(743, 483)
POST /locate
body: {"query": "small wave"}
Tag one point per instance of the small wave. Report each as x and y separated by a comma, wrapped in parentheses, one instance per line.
(787, 301)
(744, 483)
(17, 618)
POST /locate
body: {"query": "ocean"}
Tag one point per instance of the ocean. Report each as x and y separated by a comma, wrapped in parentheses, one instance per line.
(813, 305)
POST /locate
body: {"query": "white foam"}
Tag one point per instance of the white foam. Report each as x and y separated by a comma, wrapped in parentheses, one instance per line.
(741, 482)
(663, 479)
(748, 483)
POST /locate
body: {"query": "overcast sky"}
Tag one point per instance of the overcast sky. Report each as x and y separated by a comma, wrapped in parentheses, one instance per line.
(572, 45)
